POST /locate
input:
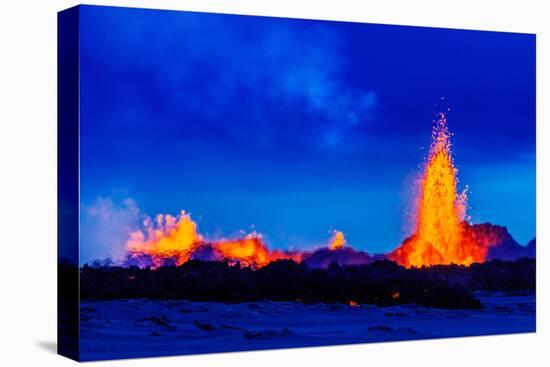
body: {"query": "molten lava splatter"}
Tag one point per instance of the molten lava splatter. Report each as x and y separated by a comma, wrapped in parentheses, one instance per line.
(338, 241)
(252, 251)
(175, 240)
(442, 235)
(166, 237)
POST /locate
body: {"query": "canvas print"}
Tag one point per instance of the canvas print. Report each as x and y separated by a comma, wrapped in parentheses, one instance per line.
(233, 183)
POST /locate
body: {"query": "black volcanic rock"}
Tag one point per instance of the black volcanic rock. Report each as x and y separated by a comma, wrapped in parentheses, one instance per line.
(323, 257)
(205, 252)
(381, 283)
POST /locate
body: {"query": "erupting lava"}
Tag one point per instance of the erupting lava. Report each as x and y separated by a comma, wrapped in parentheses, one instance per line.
(168, 237)
(338, 241)
(442, 235)
(175, 240)
(252, 251)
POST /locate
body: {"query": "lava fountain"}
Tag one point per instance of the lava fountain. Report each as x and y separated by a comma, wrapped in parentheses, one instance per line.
(167, 237)
(441, 233)
(174, 240)
(442, 236)
(338, 241)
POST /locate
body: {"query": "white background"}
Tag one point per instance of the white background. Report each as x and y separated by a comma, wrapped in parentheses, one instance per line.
(28, 182)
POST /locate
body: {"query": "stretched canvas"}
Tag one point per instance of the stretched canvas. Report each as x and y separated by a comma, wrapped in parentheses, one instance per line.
(231, 183)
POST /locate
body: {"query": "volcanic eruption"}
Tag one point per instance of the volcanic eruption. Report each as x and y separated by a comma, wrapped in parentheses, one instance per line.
(175, 240)
(167, 237)
(338, 241)
(442, 234)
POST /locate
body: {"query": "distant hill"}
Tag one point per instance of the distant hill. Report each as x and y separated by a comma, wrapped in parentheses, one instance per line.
(505, 246)
(323, 257)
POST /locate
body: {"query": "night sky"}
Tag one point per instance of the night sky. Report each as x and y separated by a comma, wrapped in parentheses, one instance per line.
(295, 128)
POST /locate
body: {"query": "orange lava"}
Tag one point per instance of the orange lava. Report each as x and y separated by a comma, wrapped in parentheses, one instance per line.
(251, 251)
(166, 237)
(441, 235)
(338, 241)
(177, 239)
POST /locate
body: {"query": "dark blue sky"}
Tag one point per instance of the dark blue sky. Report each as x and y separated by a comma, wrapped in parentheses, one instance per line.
(297, 127)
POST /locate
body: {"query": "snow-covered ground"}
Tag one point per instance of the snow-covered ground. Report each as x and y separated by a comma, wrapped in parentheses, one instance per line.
(140, 328)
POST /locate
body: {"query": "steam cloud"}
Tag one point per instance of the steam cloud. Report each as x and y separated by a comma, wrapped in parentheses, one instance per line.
(105, 225)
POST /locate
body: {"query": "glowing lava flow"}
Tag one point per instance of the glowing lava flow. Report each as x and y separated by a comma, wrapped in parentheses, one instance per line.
(175, 240)
(251, 251)
(167, 237)
(442, 236)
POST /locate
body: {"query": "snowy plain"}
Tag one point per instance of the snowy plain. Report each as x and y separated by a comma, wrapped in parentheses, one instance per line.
(142, 328)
